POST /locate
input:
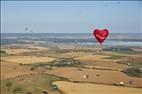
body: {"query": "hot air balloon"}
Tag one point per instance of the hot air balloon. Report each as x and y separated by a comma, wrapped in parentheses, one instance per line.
(26, 29)
(100, 35)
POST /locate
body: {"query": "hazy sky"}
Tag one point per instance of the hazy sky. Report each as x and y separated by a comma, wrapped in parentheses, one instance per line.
(71, 16)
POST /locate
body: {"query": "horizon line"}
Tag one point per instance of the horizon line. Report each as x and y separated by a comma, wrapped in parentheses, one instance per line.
(61, 33)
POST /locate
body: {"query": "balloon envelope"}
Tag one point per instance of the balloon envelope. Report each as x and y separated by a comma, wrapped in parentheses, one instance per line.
(26, 28)
(100, 35)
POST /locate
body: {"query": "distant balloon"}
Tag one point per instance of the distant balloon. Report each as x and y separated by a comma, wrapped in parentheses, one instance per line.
(100, 35)
(26, 28)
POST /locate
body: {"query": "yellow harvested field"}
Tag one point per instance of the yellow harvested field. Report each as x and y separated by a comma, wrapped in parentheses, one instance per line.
(17, 51)
(93, 57)
(88, 88)
(75, 54)
(28, 59)
(28, 49)
(10, 70)
(106, 64)
(97, 76)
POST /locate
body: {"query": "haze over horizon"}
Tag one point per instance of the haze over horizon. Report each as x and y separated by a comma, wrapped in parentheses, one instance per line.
(70, 16)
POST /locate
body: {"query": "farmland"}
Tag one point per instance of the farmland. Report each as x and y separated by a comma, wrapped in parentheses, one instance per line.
(87, 88)
(34, 67)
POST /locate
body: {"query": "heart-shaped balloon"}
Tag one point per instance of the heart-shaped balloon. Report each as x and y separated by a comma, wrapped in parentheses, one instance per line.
(101, 35)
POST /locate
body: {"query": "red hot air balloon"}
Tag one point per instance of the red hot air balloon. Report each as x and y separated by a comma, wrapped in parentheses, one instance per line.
(101, 35)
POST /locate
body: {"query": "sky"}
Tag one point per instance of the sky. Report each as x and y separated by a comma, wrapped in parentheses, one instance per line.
(71, 16)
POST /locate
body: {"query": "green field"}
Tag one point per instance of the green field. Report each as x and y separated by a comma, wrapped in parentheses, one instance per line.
(32, 84)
